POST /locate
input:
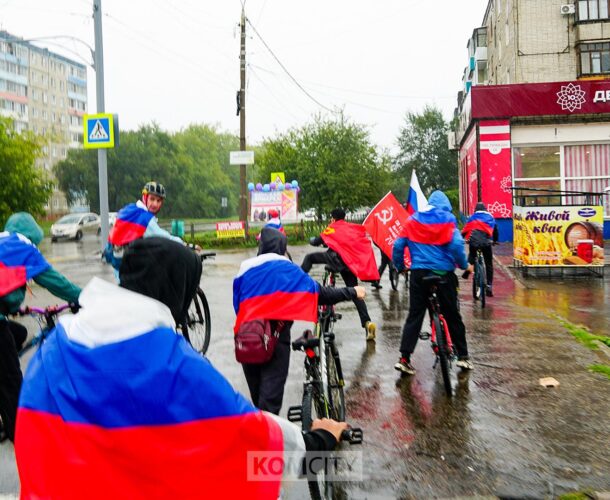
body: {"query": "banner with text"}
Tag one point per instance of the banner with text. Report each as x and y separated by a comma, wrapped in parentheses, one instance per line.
(230, 229)
(558, 236)
(285, 202)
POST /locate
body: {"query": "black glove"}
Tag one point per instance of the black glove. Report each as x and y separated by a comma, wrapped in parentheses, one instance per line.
(74, 307)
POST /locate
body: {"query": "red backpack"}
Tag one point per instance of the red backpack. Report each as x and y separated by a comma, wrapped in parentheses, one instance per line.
(255, 341)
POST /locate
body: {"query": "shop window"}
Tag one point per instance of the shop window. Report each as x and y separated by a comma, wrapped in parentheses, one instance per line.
(592, 10)
(538, 198)
(594, 58)
(536, 162)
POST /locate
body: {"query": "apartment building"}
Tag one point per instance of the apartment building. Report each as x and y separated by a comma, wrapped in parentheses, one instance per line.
(534, 110)
(46, 93)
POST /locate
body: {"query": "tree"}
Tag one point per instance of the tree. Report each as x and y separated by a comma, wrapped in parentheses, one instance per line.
(23, 186)
(423, 147)
(334, 162)
(192, 164)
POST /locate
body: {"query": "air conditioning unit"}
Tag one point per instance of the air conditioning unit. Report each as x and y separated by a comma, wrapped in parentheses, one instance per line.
(568, 9)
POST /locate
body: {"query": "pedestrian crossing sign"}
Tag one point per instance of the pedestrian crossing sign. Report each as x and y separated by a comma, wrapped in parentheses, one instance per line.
(98, 131)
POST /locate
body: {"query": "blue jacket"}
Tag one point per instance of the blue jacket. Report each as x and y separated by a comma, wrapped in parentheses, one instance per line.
(433, 238)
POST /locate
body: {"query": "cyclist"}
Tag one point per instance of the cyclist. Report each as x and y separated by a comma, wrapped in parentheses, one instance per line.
(20, 261)
(125, 408)
(137, 220)
(350, 254)
(273, 222)
(481, 232)
(266, 381)
(436, 246)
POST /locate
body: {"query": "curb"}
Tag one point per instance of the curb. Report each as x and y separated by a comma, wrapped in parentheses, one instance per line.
(509, 272)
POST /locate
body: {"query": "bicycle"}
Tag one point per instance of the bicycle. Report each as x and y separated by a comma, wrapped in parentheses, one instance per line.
(196, 327)
(323, 395)
(46, 320)
(479, 281)
(439, 336)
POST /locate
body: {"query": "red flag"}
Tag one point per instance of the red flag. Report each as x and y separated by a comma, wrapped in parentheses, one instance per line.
(385, 222)
(354, 248)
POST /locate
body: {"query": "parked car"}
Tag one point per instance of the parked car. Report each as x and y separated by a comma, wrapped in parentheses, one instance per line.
(111, 218)
(75, 226)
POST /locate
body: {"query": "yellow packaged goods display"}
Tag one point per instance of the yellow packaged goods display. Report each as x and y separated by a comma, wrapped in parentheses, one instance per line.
(558, 236)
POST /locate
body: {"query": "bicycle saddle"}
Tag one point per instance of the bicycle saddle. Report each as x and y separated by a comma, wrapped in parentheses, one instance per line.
(306, 341)
(433, 279)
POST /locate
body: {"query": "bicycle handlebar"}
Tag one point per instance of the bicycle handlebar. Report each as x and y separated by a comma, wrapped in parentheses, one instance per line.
(47, 310)
(353, 435)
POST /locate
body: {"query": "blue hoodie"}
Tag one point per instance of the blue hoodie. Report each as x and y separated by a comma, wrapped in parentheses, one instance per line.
(433, 238)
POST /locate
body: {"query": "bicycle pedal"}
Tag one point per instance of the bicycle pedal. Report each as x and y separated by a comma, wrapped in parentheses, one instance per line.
(295, 414)
(424, 335)
(329, 337)
(337, 316)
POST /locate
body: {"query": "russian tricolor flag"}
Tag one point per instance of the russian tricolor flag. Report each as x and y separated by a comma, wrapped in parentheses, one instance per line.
(416, 201)
(131, 223)
(141, 418)
(481, 221)
(269, 286)
(19, 261)
(432, 227)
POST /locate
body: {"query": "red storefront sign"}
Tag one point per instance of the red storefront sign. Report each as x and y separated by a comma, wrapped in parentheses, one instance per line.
(536, 99)
(496, 179)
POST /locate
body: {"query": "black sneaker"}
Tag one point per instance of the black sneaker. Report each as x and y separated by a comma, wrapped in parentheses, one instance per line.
(376, 285)
(488, 291)
(405, 366)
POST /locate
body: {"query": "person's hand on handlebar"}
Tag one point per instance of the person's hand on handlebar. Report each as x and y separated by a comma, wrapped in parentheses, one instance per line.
(332, 426)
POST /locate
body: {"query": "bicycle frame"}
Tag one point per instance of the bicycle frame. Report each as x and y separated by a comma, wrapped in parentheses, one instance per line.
(46, 321)
(434, 308)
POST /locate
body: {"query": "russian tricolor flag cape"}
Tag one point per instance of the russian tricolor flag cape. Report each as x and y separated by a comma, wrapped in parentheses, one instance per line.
(20, 261)
(120, 406)
(354, 248)
(481, 221)
(416, 201)
(131, 223)
(432, 227)
(270, 286)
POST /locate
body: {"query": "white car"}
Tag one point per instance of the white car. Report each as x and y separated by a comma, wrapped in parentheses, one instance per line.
(75, 226)
(111, 218)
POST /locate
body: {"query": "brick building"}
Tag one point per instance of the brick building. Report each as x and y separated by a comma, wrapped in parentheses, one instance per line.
(534, 110)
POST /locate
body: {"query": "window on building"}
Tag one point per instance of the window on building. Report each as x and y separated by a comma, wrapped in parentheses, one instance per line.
(536, 162)
(594, 58)
(44, 97)
(587, 168)
(592, 10)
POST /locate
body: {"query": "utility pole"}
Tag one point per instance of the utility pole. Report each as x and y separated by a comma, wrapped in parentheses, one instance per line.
(243, 199)
(102, 158)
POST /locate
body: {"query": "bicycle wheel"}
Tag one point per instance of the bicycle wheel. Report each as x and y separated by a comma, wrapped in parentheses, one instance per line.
(196, 327)
(442, 352)
(482, 281)
(319, 487)
(475, 282)
(394, 277)
(334, 377)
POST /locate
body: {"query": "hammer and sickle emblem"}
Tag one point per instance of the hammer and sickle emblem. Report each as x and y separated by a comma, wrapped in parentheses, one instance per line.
(385, 215)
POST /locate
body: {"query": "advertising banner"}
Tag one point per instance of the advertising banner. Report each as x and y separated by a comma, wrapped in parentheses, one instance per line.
(468, 167)
(230, 229)
(285, 202)
(385, 221)
(496, 178)
(558, 236)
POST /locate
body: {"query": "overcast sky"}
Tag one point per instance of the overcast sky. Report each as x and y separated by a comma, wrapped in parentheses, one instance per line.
(176, 61)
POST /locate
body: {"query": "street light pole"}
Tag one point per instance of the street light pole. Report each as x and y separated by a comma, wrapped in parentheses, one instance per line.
(102, 158)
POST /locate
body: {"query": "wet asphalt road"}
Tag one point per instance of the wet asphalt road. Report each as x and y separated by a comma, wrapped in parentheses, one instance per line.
(501, 434)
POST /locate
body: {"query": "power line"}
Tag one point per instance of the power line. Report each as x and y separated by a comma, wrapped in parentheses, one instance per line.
(288, 72)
